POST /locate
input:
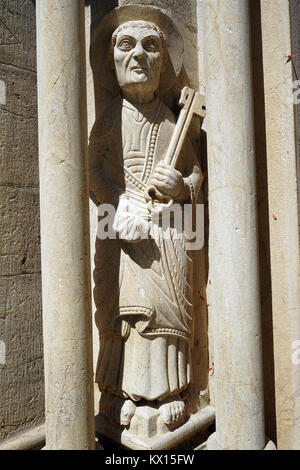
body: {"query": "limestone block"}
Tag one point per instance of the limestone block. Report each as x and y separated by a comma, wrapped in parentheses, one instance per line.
(20, 247)
(18, 128)
(148, 432)
(21, 377)
(17, 34)
(144, 423)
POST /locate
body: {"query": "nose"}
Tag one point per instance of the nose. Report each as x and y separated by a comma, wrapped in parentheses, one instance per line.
(139, 51)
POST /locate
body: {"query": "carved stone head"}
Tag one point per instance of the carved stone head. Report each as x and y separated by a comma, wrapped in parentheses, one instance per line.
(136, 45)
(139, 52)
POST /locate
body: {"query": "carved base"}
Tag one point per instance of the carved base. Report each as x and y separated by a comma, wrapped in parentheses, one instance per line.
(212, 444)
(147, 431)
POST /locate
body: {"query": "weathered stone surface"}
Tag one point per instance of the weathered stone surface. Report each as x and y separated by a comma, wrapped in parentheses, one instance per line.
(21, 378)
(263, 218)
(19, 231)
(30, 439)
(17, 34)
(18, 126)
(295, 37)
(137, 375)
(21, 385)
(183, 15)
(234, 295)
(186, 21)
(65, 225)
(283, 218)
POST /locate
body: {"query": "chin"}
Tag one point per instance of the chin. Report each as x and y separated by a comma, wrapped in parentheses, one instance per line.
(140, 78)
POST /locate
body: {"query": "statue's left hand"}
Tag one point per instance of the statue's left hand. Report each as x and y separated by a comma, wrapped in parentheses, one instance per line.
(129, 224)
(167, 180)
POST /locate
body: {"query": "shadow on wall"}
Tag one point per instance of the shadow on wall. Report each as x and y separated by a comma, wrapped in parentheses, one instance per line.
(263, 221)
(99, 9)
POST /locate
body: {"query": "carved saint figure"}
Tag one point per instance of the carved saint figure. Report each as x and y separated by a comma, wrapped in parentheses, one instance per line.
(143, 287)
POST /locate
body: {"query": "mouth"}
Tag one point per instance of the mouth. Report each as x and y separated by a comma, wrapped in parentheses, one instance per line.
(139, 69)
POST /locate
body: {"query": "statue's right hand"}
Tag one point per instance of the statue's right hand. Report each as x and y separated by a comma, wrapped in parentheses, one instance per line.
(152, 193)
(167, 181)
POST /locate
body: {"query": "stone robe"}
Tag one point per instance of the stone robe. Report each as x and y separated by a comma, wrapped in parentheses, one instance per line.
(143, 290)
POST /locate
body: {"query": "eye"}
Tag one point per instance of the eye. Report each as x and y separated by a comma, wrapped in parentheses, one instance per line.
(125, 45)
(151, 45)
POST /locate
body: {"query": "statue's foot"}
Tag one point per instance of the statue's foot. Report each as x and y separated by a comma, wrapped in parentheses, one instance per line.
(173, 411)
(127, 412)
(122, 411)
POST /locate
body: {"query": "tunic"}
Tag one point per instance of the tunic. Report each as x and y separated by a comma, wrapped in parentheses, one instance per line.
(143, 291)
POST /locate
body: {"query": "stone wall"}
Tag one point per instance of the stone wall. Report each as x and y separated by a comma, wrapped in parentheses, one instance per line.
(21, 371)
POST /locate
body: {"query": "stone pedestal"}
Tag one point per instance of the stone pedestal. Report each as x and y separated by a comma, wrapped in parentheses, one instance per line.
(147, 431)
(212, 444)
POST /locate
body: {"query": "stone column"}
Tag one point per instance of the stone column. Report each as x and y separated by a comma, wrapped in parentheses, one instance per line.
(284, 220)
(65, 225)
(233, 244)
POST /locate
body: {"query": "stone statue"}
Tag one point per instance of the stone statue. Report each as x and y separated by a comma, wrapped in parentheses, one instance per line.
(143, 286)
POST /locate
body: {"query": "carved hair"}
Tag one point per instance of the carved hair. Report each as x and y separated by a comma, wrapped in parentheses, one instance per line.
(139, 24)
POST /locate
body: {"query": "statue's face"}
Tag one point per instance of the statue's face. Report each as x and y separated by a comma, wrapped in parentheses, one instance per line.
(138, 57)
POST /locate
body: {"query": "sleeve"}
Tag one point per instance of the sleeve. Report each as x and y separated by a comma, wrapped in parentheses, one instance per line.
(102, 189)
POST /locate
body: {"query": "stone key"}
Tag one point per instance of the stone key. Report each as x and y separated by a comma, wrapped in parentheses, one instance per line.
(192, 102)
